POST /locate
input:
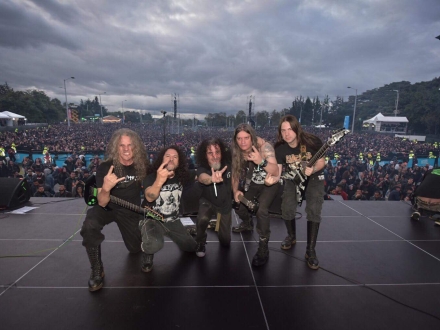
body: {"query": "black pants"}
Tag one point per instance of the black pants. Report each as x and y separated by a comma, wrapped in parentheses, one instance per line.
(205, 214)
(127, 221)
(265, 196)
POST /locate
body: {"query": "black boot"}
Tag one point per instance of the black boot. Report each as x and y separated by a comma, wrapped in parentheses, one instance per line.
(262, 254)
(147, 262)
(312, 234)
(97, 276)
(291, 232)
(244, 226)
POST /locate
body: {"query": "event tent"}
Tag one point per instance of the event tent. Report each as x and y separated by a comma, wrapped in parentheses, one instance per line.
(381, 123)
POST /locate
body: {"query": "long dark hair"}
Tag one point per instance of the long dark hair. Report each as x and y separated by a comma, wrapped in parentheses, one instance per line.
(181, 173)
(305, 138)
(201, 158)
(238, 161)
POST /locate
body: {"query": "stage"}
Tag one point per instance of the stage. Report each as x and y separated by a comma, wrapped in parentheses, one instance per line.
(379, 270)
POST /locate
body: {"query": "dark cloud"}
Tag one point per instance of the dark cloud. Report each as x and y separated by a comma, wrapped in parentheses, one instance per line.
(215, 54)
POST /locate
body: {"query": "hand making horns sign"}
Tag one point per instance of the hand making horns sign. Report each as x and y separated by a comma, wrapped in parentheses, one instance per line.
(270, 180)
(163, 173)
(111, 180)
(254, 156)
(216, 176)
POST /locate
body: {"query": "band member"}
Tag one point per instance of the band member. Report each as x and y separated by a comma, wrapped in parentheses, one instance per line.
(214, 173)
(255, 156)
(293, 149)
(163, 193)
(120, 175)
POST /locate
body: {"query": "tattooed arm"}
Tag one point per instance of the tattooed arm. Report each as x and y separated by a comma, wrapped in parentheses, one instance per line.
(267, 152)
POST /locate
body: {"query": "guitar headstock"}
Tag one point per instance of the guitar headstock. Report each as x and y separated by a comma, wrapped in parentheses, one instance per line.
(337, 136)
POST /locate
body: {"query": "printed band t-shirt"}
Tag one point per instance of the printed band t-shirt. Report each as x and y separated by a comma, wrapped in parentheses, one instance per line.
(168, 201)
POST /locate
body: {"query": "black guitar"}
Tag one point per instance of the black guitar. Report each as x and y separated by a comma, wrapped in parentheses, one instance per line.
(91, 193)
(252, 206)
(295, 171)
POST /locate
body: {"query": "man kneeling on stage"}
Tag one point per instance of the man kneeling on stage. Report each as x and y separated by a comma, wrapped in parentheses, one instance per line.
(119, 176)
(163, 194)
(214, 173)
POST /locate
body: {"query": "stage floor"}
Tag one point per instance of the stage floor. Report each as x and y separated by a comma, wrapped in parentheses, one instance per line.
(379, 270)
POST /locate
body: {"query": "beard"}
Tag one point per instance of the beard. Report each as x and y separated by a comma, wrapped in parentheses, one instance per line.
(171, 166)
(216, 166)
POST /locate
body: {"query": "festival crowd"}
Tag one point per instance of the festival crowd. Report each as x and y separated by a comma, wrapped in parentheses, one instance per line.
(357, 174)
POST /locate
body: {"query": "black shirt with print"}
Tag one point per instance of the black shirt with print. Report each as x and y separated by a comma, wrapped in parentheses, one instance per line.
(168, 201)
(129, 189)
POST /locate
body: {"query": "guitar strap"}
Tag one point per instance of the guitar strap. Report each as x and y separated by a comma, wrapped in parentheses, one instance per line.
(303, 153)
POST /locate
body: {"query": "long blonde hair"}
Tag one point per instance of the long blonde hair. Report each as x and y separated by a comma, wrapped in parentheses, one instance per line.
(238, 161)
(140, 159)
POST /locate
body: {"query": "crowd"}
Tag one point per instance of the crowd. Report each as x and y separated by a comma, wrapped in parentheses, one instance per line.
(353, 177)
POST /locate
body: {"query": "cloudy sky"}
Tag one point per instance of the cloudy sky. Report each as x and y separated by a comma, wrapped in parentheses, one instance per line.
(215, 54)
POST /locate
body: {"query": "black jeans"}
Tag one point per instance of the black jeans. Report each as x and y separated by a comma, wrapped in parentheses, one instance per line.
(265, 195)
(126, 220)
(206, 211)
(153, 233)
(314, 200)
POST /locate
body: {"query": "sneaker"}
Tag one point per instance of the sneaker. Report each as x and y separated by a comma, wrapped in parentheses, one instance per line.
(200, 249)
(147, 262)
(243, 227)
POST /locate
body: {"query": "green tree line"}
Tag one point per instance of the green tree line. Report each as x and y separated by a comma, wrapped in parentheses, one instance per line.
(419, 102)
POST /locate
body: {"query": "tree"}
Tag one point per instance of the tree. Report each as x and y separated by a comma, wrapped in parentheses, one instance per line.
(262, 118)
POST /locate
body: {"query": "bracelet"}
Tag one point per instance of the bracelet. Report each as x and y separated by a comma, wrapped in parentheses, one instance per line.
(263, 163)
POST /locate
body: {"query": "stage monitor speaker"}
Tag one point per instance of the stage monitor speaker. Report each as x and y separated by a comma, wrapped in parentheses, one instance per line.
(13, 192)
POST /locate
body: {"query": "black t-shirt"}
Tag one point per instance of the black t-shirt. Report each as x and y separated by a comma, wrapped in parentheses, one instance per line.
(288, 155)
(169, 198)
(223, 200)
(129, 190)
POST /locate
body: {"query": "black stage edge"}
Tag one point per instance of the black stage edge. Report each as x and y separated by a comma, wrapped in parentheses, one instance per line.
(379, 270)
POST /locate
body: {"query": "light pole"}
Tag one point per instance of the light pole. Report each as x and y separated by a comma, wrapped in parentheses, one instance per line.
(100, 103)
(164, 113)
(123, 114)
(397, 102)
(67, 107)
(354, 110)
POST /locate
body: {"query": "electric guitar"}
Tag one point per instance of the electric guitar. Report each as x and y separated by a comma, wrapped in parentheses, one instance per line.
(252, 206)
(296, 171)
(90, 197)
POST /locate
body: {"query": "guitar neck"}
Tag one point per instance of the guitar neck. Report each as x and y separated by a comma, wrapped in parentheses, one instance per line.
(126, 204)
(242, 199)
(318, 155)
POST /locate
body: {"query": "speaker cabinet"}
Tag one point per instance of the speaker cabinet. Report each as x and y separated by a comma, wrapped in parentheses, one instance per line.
(13, 192)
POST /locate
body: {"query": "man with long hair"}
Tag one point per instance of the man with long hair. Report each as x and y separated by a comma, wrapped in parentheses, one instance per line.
(252, 159)
(214, 173)
(163, 192)
(293, 149)
(120, 175)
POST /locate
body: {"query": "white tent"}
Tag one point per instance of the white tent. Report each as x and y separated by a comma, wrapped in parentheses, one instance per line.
(12, 119)
(12, 115)
(381, 123)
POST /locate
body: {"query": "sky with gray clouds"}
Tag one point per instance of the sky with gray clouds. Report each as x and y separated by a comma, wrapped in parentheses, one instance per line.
(215, 54)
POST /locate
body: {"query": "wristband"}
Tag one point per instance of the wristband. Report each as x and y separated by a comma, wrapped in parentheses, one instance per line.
(263, 163)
